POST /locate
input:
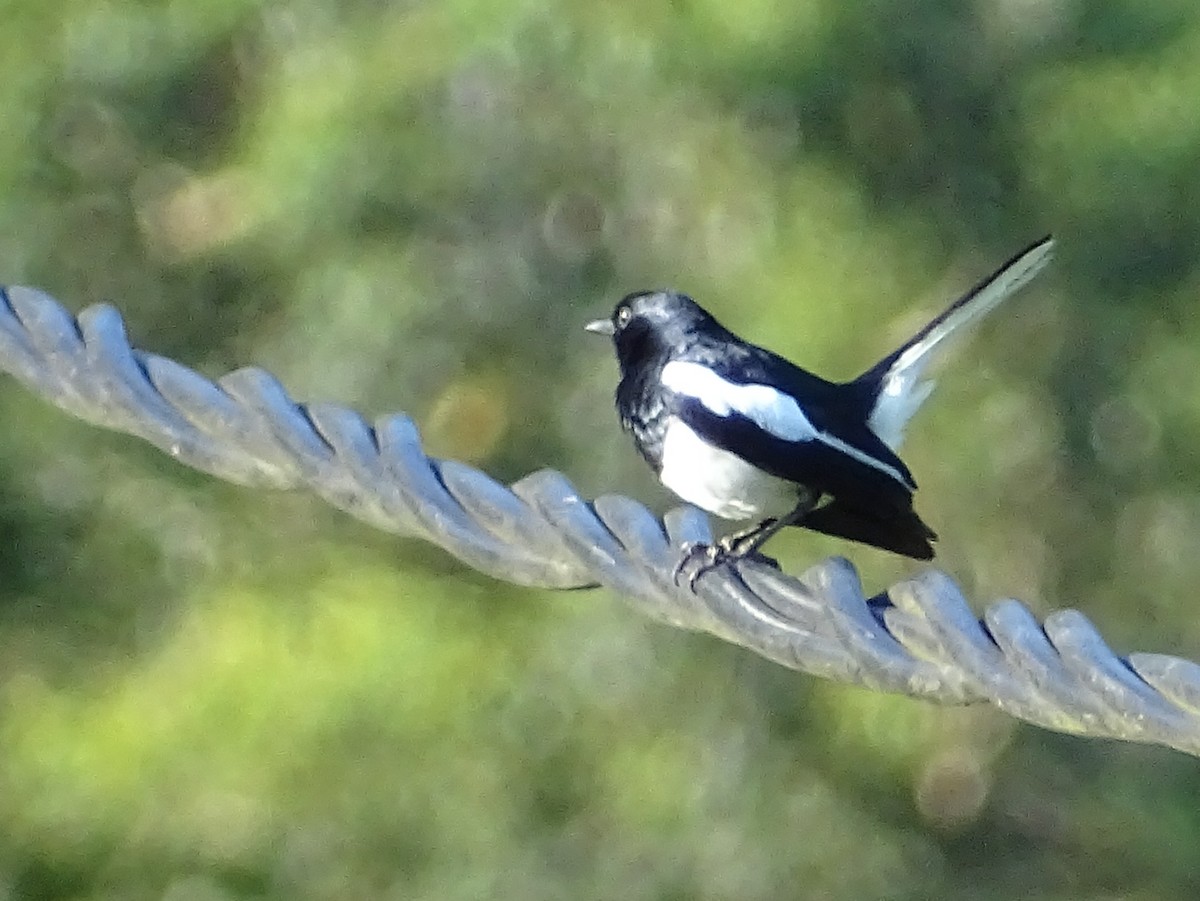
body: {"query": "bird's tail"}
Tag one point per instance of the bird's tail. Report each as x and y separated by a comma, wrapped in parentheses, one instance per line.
(894, 388)
(901, 531)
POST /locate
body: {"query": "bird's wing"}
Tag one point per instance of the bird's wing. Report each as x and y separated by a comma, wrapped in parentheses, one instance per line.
(893, 388)
(773, 431)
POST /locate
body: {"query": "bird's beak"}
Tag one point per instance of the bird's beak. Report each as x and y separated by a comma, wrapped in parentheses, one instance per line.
(601, 327)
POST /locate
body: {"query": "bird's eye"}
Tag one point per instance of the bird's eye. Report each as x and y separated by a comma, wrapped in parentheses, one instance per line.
(624, 315)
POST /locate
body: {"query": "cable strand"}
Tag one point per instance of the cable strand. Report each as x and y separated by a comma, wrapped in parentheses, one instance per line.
(921, 638)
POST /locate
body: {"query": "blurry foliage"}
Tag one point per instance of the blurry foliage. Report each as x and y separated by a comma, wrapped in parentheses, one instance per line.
(211, 693)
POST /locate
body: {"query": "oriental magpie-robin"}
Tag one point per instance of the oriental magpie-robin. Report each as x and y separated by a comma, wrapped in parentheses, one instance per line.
(744, 434)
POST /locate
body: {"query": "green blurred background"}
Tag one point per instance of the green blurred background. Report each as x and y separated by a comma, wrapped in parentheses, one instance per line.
(213, 693)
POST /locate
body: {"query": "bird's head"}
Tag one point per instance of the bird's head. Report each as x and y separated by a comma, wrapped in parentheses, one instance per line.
(646, 324)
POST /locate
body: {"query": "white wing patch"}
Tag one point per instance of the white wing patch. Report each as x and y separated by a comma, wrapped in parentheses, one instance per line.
(903, 390)
(770, 409)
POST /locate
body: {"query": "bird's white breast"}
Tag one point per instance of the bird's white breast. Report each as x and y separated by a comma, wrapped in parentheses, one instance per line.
(718, 481)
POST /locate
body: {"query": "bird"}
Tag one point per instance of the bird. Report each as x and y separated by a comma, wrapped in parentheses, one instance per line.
(747, 435)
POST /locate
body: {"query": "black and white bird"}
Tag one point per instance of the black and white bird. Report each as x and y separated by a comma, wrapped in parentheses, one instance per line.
(747, 435)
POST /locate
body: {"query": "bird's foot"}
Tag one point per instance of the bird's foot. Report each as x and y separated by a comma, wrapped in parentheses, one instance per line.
(699, 558)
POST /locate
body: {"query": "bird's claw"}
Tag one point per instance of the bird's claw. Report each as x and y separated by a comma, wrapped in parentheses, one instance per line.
(700, 558)
(703, 558)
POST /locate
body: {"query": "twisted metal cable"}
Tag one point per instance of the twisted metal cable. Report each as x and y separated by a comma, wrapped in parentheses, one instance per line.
(921, 639)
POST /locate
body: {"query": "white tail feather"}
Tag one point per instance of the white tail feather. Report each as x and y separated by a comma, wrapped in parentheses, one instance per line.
(901, 387)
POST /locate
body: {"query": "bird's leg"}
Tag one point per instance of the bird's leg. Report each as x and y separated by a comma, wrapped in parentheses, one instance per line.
(709, 556)
(739, 545)
(748, 538)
